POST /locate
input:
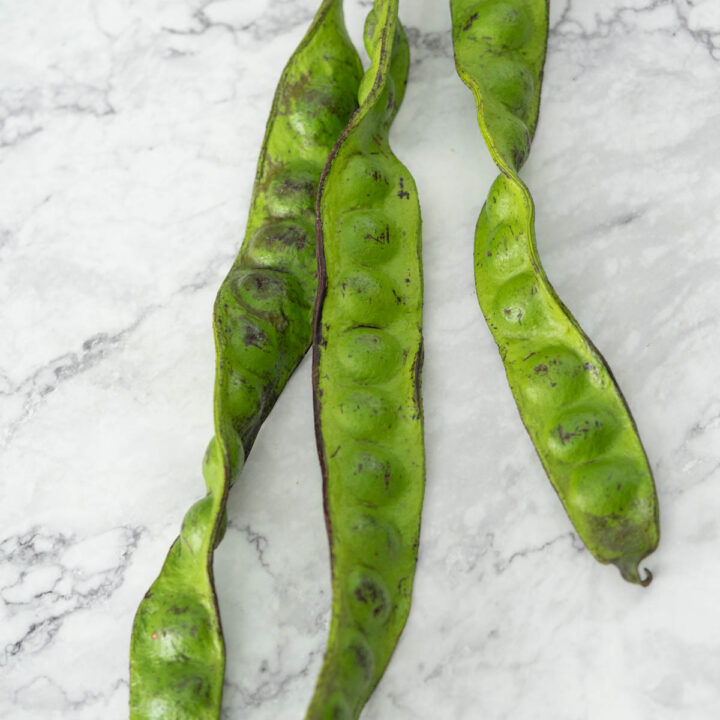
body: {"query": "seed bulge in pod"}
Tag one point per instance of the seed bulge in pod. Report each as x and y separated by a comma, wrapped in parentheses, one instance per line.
(283, 245)
(364, 414)
(370, 602)
(169, 686)
(582, 433)
(509, 81)
(607, 487)
(518, 306)
(240, 396)
(336, 708)
(184, 630)
(506, 251)
(368, 355)
(366, 298)
(253, 344)
(270, 294)
(501, 205)
(374, 475)
(362, 183)
(510, 134)
(368, 237)
(292, 190)
(356, 664)
(551, 376)
(373, 538)
(321, 110)
(196, 526)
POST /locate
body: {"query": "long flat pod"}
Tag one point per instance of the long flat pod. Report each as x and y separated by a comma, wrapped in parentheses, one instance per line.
(568, 399)
(262, 328)
(367, 356)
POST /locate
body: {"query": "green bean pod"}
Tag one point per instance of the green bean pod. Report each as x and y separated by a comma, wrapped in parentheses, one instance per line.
(263, 328)
(367, 358)
(568, 399)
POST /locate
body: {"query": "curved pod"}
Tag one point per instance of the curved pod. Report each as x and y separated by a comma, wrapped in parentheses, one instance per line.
(568, 399)
(263, 328)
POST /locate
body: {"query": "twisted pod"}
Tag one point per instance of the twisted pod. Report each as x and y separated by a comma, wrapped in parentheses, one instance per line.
(568, 399)
(367, 357)
(263, 328)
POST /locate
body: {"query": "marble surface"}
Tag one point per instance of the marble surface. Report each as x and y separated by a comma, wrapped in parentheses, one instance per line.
(128, 140)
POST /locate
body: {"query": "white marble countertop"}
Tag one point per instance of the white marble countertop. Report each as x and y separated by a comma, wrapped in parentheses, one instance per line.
(128, 140)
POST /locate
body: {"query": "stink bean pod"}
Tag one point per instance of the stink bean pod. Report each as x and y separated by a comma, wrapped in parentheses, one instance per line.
(263, 328)
(367, 357)
(567, 396)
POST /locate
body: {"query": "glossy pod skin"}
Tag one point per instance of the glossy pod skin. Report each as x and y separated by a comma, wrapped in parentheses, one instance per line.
(568, 399)
(263, 328)
(367, 358)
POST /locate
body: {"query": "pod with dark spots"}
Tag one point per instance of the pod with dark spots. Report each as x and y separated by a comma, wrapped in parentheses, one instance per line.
(366, 375)
(271, 295)
(550, 377)
(181, 691)
(578, 433)
(610, 501)
(511, 134)
(501, 26)
(326, 108)
(519, 308)
(363, 184)
(291, 192)
(254, 342)
(375, 475)
(369, 598)
(368, 238)
(356, 664)
(263, 327)
(567, 397)
(284, 245)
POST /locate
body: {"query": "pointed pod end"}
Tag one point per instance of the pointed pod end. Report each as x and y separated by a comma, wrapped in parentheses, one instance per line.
(630, 570)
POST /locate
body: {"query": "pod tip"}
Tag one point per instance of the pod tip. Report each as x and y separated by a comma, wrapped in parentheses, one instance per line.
(629, 569)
